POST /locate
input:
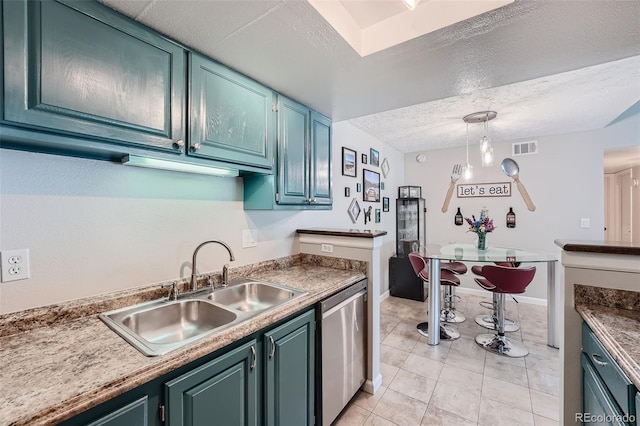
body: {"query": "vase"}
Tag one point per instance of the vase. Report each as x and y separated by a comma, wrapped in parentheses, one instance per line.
(482, 241)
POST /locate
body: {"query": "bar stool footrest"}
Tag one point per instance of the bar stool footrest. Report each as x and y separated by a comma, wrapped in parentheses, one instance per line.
(452, 316)
(502, 345)
(446, 331)
(487, 321)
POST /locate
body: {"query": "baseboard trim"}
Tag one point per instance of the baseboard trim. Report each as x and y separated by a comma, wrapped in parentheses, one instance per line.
(384, 295)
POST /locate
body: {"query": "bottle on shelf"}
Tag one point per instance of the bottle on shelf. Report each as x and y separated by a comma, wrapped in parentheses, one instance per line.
(458, 218)
(511, 218)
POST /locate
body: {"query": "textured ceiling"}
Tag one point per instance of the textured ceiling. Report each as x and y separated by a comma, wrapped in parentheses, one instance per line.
(524, 60)
(585, 99)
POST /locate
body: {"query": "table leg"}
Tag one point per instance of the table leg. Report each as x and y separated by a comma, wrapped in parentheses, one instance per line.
(434, 302)
(551, 304)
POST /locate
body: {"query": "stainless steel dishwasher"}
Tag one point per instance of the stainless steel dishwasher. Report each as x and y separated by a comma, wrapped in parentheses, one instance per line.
(342, 340)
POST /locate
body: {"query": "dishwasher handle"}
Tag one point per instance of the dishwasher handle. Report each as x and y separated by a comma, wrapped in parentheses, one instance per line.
(341, 305)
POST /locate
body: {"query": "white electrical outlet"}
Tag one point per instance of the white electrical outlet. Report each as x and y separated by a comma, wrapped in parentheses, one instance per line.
(327, 248)
(249, 238)
(585, 223)
(15, 265)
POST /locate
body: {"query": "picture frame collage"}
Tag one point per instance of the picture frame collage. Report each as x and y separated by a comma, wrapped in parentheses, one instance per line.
(371, 186)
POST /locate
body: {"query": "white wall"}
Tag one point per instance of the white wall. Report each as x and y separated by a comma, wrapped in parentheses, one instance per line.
(351, 137)
(565, 181)
(94, 227)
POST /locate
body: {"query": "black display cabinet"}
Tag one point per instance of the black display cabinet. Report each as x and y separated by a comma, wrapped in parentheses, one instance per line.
(403, 282)
(410, 236)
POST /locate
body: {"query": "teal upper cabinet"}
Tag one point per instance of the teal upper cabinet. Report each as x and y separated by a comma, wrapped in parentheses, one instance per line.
(78, 68)
(303, 175)
(223, 391)
(231, 117)
(320, 160)
(293, 141)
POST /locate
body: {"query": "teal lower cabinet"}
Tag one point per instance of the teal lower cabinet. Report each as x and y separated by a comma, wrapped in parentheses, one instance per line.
(223, 391)
(597, 402)
(289, 360)
(608, 396)
(266, 378)
(135, 413)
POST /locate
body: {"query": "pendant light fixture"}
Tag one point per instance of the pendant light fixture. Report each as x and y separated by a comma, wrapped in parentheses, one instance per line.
(486, 150)
(467, 174)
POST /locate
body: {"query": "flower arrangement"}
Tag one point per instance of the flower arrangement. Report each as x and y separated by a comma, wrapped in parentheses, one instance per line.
(481, 226)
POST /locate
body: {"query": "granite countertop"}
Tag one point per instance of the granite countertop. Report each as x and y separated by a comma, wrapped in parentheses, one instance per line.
(70, 361)
(604, 247)
(614, 317)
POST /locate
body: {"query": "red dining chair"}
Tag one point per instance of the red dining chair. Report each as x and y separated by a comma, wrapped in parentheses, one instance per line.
(419, 265)
(489, 321)
(503, 280)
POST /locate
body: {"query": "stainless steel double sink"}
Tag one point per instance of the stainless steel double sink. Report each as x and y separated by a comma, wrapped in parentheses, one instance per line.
(160, 326)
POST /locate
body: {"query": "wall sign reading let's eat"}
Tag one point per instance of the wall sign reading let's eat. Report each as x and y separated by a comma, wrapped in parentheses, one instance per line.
(498, 189)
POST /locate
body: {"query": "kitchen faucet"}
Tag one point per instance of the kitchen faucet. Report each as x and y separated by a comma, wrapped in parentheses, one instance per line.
(225, 268)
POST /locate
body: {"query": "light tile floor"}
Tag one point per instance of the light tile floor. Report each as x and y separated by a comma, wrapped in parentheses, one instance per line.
(458, 383)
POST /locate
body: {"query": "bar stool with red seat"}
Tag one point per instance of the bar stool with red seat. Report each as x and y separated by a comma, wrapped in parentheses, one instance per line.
(419, 265)
(489, 321)
(504, 280)
(449, 313)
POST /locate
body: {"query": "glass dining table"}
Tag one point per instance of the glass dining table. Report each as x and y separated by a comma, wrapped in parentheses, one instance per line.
(434, 253)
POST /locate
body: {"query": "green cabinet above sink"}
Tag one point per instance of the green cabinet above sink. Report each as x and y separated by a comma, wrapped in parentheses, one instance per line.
(231, 116)
(78, 68)
(303, 175)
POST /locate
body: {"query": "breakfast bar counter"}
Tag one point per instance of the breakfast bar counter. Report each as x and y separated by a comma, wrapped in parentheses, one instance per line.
(602, 289)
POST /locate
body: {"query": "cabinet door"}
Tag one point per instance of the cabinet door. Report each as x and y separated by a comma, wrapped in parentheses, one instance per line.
(320, 161)
(79, 68)
(129, 415)
(289, 363)
(223, 391)
(232, 116)
(596, 400)
(293, 142)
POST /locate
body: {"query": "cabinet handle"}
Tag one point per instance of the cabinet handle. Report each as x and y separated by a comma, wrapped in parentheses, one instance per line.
(178, 144)
(195, 147)
(273, 347)
(253, 357)
(595, 359)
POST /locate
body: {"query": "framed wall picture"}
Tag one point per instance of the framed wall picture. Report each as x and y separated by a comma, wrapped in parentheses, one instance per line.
(363, 159)
(377, 216)
(370, 186)
(385, 204)
(349, 162)
(358, 187)
(374, 157)
(347, 191)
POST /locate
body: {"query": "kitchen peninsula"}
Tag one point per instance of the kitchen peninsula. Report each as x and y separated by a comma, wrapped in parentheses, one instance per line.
(602, 289)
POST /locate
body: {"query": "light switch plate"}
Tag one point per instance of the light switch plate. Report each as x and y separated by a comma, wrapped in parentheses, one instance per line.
(585, 223)
(249, 238)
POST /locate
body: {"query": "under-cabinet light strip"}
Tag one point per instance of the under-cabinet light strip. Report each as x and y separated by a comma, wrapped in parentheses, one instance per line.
(177, 166)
